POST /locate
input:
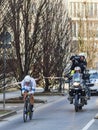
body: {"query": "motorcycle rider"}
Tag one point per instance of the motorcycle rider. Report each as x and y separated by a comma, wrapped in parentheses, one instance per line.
(28, 85)
(77, 72)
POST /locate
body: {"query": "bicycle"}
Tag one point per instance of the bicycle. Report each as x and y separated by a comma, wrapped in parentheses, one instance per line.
(27, 110)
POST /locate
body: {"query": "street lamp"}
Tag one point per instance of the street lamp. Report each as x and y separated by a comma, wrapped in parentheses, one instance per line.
(5, 38)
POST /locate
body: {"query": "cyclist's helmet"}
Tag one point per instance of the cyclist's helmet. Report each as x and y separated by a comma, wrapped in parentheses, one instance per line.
(77, 69)
(27, 78)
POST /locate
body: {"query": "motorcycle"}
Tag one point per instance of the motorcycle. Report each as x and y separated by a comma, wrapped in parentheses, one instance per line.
(77, 92)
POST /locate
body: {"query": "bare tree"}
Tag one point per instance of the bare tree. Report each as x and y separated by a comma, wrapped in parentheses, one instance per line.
(20, 22)
(41, 39)
(55, 39)
(3, 8)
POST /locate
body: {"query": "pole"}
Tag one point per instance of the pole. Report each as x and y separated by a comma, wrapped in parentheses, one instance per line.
(4, 53)
(5, 38)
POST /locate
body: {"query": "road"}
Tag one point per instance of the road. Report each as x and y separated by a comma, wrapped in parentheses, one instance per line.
(56, 115)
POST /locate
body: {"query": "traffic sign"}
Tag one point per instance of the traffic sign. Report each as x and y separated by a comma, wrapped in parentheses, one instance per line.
(5, 46)
(5, 37)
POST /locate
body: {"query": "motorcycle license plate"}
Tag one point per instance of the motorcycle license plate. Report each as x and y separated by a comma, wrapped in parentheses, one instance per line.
(76, 88)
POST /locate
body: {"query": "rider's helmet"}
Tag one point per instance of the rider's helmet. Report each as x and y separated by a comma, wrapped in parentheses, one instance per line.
(77, 69)
(27, 78)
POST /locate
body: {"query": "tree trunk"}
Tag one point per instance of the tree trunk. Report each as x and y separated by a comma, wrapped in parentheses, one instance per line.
(47, 85)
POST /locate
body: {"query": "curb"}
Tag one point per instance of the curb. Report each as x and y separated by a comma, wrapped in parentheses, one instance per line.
(13, 100)
(96, 116)
(8, 114)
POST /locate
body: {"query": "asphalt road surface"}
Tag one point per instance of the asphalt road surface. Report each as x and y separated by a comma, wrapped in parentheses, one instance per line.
(56, 115)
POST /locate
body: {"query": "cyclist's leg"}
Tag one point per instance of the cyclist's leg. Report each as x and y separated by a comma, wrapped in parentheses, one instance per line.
(24, 95)
(25, 102)
(32, 101)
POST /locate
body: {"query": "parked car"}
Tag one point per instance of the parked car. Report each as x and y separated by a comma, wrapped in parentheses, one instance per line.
(94, 80)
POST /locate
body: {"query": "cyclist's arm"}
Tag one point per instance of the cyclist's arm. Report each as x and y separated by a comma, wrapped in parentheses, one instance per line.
(33, 84)
(32, 90)
(22, 87)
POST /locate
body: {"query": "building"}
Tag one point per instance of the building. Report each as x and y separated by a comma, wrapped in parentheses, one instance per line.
(84, 15)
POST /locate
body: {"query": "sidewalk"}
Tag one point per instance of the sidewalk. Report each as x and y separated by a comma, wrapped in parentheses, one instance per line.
(13, 108)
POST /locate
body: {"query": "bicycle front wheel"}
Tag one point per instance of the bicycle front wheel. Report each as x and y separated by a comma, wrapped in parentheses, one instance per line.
(30, 112)
(25, 113)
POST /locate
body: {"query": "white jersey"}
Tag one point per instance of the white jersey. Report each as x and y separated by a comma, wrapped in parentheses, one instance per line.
(30, 88)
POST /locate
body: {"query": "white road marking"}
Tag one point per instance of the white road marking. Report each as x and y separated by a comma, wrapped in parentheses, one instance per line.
(11, 106)
(89, 124)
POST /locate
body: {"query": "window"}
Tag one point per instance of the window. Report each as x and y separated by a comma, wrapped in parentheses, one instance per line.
(95, 9)
(74, 29)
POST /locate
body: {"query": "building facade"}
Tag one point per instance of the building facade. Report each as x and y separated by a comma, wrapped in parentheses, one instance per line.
(84, 15)
(87, 10)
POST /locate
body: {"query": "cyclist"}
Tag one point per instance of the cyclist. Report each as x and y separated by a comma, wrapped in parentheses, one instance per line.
(28, 85)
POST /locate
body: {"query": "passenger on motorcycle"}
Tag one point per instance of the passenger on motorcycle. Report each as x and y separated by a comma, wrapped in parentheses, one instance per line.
(75, 61)
(28, 85)
(83, 64)
(78, 61)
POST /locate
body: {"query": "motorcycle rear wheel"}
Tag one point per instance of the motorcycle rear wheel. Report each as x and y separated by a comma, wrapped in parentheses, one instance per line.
(76, 108)
(80, 107)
